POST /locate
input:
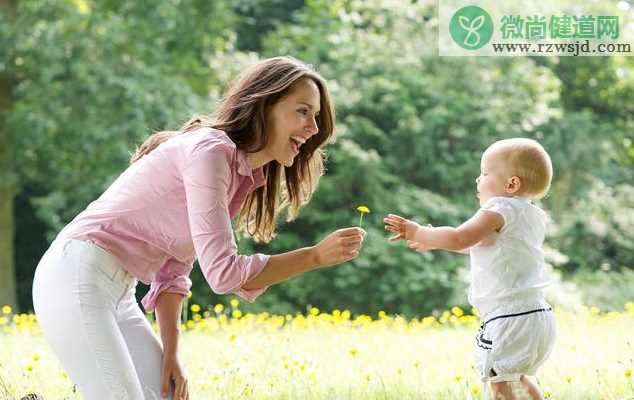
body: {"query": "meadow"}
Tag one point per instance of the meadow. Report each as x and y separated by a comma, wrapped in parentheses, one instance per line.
(229, 354)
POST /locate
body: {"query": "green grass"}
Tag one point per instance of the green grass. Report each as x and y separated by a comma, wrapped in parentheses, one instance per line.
(328, 356)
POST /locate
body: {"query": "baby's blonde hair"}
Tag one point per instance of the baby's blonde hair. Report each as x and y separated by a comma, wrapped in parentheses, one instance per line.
(529, 161)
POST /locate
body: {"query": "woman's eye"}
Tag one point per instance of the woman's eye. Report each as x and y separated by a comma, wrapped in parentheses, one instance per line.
(303, 111)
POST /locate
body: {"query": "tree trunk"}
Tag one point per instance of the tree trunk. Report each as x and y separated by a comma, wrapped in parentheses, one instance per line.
(8, 181)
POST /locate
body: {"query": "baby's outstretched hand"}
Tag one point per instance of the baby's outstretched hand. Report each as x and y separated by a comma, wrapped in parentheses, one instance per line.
(402, 228)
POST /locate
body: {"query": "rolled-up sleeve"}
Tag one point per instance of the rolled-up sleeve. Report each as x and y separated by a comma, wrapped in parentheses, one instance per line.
(206, 177)
(172, 277)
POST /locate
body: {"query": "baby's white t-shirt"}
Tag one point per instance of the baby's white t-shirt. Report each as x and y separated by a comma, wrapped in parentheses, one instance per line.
(508, 267)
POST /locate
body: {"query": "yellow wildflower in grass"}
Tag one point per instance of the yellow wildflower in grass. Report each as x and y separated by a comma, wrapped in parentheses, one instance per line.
(237, 314)
(362, 210)
(628, 373)
(314, 311)
(218, 308)
(353, 352)
(6, 309)
(189, 294)
(475, 390)
(457, 311)
(234, 303)
(195, 308)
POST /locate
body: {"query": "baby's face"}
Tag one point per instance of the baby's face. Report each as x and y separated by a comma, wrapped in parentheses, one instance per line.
(494, 175)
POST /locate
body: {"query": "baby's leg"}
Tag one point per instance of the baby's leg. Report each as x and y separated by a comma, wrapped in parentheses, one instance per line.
(522, 390)
(531, 388)
(502, 391)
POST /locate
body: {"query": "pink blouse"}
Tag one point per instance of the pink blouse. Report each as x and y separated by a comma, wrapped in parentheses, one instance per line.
(175, 205)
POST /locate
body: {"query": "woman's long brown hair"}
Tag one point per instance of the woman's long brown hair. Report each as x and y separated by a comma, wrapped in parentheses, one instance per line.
(241, 114)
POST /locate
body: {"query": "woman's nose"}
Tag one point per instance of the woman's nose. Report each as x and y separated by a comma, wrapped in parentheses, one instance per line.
(311, 127)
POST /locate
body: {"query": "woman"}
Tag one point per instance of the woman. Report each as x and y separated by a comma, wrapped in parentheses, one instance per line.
(257, 154)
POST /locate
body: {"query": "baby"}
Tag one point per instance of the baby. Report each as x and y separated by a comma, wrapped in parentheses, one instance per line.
(504, 241)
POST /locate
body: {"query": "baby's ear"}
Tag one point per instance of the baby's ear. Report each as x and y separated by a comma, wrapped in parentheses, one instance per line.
(513, 185)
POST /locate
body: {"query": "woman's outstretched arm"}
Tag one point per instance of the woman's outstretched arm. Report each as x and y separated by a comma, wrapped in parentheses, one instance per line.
(338, 247)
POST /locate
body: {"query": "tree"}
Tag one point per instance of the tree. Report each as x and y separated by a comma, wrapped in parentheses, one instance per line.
(411, 128)
(91, 81)
(8, 177)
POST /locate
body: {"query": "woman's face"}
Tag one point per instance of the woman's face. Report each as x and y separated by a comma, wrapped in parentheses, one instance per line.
(292, 121)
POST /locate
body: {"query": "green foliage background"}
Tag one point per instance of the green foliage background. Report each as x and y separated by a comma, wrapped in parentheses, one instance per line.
(93, 78)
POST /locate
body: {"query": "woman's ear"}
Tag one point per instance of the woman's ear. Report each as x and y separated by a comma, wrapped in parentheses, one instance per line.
(513, 185)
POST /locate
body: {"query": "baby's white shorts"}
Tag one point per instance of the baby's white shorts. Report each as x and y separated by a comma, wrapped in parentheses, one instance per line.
(514, 340)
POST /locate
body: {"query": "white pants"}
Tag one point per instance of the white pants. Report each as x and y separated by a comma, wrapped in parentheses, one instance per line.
(85, 305)
(515, 340)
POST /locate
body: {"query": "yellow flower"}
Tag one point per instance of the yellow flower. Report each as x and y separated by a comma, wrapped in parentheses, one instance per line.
(314, 311)
(236, 314)
(234, 303)
(189, 294)
(218, 308)
(353, 352)
(628, 373)
(475, 390)
(457, 311)
(362, 210)
(195, 308)
(6, 309)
